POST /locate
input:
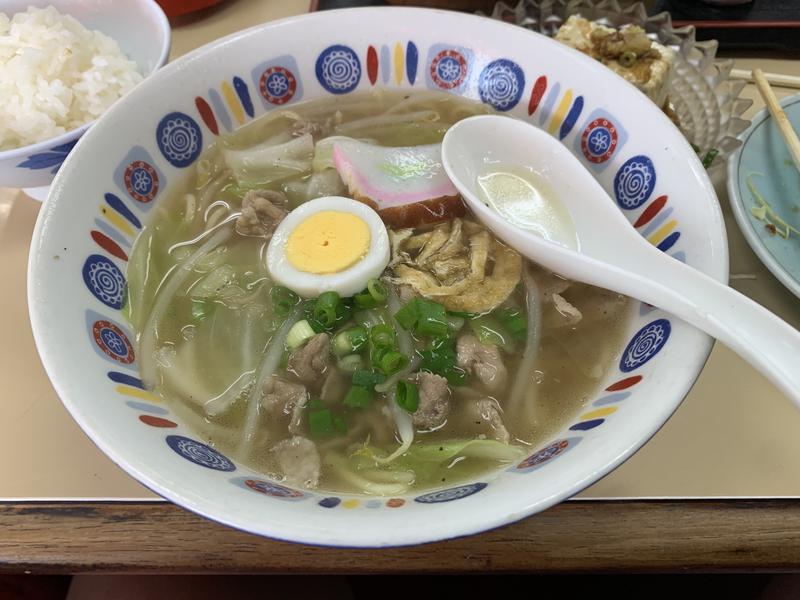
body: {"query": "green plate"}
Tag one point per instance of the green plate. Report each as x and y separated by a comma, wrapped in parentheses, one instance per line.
(764, 159)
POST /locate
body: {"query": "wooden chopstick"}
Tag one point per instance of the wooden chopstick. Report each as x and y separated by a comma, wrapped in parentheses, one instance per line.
(776, 79)
(785, 127)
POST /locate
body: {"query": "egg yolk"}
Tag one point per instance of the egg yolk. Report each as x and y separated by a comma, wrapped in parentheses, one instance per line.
(329, 241)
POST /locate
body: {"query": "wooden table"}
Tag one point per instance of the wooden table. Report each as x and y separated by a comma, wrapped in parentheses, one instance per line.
(82, 532)
(576, 536)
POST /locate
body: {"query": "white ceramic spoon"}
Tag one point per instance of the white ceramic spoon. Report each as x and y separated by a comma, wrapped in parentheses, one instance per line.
(610, 252)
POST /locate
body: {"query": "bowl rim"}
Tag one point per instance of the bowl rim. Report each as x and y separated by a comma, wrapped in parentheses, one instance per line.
(742, 215)
(309, 535)
(46, 144)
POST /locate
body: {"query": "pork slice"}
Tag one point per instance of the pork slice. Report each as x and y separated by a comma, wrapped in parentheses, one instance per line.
(489, 412)
(434, 401)
(262, 212)
(298, 460)
(310, 362)
(283, 398)
(483, 360)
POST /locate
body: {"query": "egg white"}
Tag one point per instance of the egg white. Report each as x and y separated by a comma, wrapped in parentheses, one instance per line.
(347, 282)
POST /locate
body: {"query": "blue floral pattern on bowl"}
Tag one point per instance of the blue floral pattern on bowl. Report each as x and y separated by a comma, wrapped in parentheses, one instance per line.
(51, 159)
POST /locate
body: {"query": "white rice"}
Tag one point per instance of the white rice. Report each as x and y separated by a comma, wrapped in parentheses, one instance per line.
(55, 75)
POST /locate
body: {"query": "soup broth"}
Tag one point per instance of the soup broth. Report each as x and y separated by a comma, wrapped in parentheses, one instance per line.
(412, 387)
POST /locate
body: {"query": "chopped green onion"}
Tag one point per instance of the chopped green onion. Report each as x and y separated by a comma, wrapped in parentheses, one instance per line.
(344, 310)
(445, 343)
(324, 310)
(330, 299)
(408, 315)
(432, 318)
(432, 326)
(325, 316)
(382, 336)
(383, 352)
(423, 316)
(374, 295)
(349, 341)
(282, 307)
(391, 362)
(358, 397)
(488, 331)
(438, 361)
(283, 300)
(368, 379)
(407, 396)
(299, 334)
(514, 322)
(324, 313)
(350, 363)
(364, 300)
(340, 424)
(377, 290)
(316, 325)
(280, 291)
(320, 423)
(441, 359)
(308, 312)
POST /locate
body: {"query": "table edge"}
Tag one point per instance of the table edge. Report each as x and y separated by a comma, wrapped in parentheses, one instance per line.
(636, 536)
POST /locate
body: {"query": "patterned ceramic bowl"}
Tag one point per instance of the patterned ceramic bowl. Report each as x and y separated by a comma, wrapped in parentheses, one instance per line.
(143, 34)
(85, 231)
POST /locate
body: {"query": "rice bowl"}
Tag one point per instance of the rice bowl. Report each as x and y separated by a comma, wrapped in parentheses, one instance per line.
(51, 96)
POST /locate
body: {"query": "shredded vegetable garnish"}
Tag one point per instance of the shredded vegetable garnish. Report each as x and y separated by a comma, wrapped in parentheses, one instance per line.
(763, 211)
(708, 158)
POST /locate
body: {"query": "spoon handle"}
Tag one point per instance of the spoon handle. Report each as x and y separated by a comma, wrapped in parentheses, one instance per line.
(765, 341)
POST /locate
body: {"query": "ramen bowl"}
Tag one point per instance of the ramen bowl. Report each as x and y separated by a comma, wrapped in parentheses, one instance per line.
(125, 165)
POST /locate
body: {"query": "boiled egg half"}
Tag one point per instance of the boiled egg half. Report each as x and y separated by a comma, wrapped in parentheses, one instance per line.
(328, 244)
